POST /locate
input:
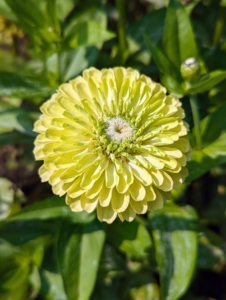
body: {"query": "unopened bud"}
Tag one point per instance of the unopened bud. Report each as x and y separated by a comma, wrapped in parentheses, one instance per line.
(190, 69)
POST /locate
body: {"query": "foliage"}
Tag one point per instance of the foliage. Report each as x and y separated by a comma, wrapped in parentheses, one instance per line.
(48, 252)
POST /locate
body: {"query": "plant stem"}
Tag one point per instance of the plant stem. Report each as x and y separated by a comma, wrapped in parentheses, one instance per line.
(121, 29)
(195, 113)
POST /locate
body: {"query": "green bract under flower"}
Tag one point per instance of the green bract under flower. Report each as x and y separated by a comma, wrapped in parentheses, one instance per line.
(112, 140)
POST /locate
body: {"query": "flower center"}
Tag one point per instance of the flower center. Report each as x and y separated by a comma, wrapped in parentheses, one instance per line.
(118, 130)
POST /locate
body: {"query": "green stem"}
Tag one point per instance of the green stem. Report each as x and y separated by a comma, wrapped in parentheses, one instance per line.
(219, 26)
(195, 113)
(121, 28)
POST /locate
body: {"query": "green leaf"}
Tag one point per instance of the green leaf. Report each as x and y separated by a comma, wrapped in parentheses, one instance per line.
(17, 119)
(132, 239)
(213, 125)
(13, 85)
(64, 8)
(6, 197)
(217, 149)
(93, 238)
(172, 85)
(79, 249)
(73, 62)
(6, 11)
(151, 24)
(178, 38)
(147, 289)
(52, 286)
(14, 271)
(87, 34)
(206, 82)
(199, 164)
(28, 230)
(170, 75)
(26, 12)
(15, 137)
(175, 239)
(51, 208)
(51, 10)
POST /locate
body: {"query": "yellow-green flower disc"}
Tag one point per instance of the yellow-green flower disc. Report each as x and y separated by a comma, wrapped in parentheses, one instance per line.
(112, 140)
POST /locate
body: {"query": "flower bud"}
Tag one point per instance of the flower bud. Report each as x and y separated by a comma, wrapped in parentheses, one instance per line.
(190, 69)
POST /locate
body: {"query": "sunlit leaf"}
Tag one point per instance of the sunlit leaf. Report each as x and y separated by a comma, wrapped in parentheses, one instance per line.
(213, 125)
(87, 34)
(132, 239)
(79, 249)
(178, 38)
(13, 85)
(75, 61)
(170, 75)
(175, 239)
(206, 82)
(17, 119)
(51, 208)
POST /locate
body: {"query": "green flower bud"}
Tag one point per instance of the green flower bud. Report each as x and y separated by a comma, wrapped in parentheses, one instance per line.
(190, 69)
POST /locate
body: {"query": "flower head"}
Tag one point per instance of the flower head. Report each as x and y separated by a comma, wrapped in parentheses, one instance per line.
(112, 140)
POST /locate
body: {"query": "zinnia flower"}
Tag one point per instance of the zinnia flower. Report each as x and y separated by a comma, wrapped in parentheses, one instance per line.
(112, 140)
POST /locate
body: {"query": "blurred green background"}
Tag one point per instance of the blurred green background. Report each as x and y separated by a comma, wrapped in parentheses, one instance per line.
(48, 252)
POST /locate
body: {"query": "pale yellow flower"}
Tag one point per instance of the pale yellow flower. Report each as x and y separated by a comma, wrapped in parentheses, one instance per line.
(112, 140)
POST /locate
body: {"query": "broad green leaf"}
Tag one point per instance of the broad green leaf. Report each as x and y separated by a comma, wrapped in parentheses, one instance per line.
(64, 7)
(52, 18)
(93, 238)
(51, 286)
(199, 164)
(217, 149)
(17, 119)
(14, 270)
(51, 208)
(6, 11)
(178, 38)
(52, 69)
(73, 62)
(148, 291)
(132, 238)
(164, 65)
(206, 82)
(142, 286)
(190, 6)
(175, 239)
(32, 17)
(27, 12)
(87, 34)
(172, 85)
(13, 85)
(28, 230)
(6, 197)
(68, 249)
(35, 281)
(170, 76)
(94, 10)
(79, 249)
(15, 137)
(213, 125)
(151, 24)
(213, 131)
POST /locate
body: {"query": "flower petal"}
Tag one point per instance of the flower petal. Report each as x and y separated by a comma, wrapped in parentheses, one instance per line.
(120, 202)
(106, 214)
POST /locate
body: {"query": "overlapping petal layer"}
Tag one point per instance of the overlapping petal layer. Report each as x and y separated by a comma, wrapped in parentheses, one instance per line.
(112, 140)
